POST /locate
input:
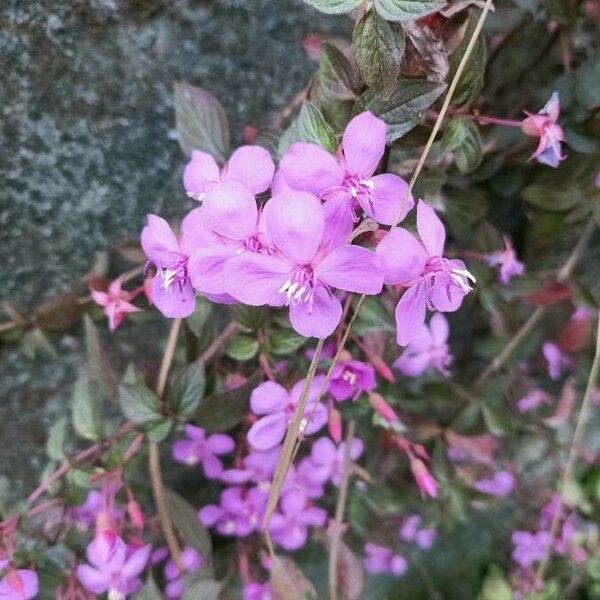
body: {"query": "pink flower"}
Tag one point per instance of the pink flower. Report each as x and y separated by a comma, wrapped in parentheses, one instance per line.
(311, 45)
(19, 584)
(428, 349)
(507, 261)
(116, 566)
(347, 183)
(533, 399)
(305, 267)
(543, 125)
(379, 559)
(250, 165)
(198, 447)
(289, 525)
(254, 590)
(350, 378)
(501, 484)
(530, 547)
(191, 561)
(328, 459)
(555, 359)
(427, 484)
(258, 467)
(115, 302)
(277, 405)
(172, 291)
(433, 282)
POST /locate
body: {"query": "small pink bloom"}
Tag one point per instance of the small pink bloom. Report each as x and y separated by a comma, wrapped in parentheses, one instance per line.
(328, 459)
(19, 584)
(115, 301)
(427, 484)
(555, 359)
(379, 559)
(501, 484)
(381, 407)
(543, 125)
(311, 45)
(253, 590)
(507, 261)
(350, 378)
(202, 448)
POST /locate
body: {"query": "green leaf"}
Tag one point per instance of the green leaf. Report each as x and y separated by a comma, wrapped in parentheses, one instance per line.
(242, 347)
(337, 78)
(561, 10)
(87, 416)
(133, 375)
(312, 127)
(227, 409)
(407, 10)
(159, 430)
(496, 419)
(471, 80)
(139, 404)
(251, 318)
(149, 591)
(55, 445)
(461, 137)
(201, 122)
(198, 319)
(100, 372)
(373, 317)
(205, 589)
(190, 529)
(334, 7)
(284, 341)
(588, 83)
(495, 586)
(187, 389)
(405, 107)
(378, 48)
(464, 209)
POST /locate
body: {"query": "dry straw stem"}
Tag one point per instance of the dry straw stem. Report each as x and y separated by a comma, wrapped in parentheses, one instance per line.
(158, 487)
(576, 444)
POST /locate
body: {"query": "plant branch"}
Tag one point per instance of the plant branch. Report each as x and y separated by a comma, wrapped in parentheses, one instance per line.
(229, 331)
(339, 513)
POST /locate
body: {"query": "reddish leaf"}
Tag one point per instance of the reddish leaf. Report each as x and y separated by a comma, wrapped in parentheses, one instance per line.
(551, 293)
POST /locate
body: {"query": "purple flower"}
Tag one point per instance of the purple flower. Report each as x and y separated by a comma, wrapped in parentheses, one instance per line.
(172, 290)
(19, 584)
(433, 282)
(255, 590)
(305, 479)
(259, 466)
(347, 183)
(239, 514)
(529, 547)
(191, 561)
(555, 359)
(507, 260)
(379, 559)
(501, 484)
(350, 378)
(234, 225)
(202, 448)
(410, 532)
(277, 405)
(307, 264)
(543, 125)
(533, 399)
(116, 566)
(328, 460)
(425, 538)
(250, 165)
(428, 349)
(289, 525)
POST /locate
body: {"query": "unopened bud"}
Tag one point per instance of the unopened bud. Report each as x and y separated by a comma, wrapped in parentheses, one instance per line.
(427, 484)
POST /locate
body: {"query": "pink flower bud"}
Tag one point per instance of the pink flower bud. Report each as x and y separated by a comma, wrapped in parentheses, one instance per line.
(135, 514)
(381, 407)
(335, 425)
(427, 484)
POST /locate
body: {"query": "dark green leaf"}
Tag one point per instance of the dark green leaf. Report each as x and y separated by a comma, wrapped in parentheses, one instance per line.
(334, 7)
(251, 318)
(588, 83)
(405, 107)
(464, 209)
(471, 80)
(55, 445)
(312, 127)
(197, 320)
(133, 375)
(461, 137)
(496, 419)
(87, 415)
(139, 404)
(407, 10)
(159, 430)
(100, 372)
(373, 317)
(201, 122)
(224, 410)
(378, 49)
(187, 389)
(563, 11)
(337, 78)
(149, 591)
(285, 341)
(242, 347)
(188, 526)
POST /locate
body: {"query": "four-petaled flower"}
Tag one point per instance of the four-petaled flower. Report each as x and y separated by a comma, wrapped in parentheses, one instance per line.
(200, 448)
(328, 459)
(418, 264)
(350, 378)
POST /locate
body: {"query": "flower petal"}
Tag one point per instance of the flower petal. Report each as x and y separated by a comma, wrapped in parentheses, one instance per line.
(402, 256)
(251, 165)
(439, 329)
(323, 451)
(267, 432)
(431, 229)
(269, 397)
(219, 443)
(307, 167)
(195, 233)
(136, 563)
(159, 242)
(206, 268)
(318, 319)
(176, 301)
(364, 143)
(387, 199)
(295, 223)
(445, 295)
(339, 219)
(230, 210)
(200, 171)
(92, 580)
(353, 269)
(410, 313)
(318, 418)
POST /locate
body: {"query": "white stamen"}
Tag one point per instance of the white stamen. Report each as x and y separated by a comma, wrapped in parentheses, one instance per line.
(292, 289)
(353, 191)
(284, 287)
(229, 527)
(168, 278)
(459, 276)
(367, 183)
(303, 424)
(299, 293)
(115, 594)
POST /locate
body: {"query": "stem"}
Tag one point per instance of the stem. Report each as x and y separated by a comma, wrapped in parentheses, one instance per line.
(339, 513)
(576, 443)
(216, 344)
(485, 120)
(158, 488)
(563, 274)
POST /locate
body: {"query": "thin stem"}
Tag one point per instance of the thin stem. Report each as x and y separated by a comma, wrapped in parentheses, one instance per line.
(339, 513)
(218, 342)
(576, 444)
(486, 120)
(158, 488)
